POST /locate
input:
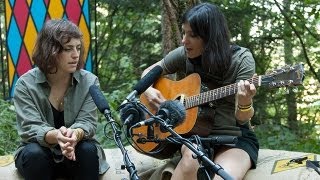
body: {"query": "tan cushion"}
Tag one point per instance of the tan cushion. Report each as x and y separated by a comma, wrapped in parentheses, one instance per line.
(146, 166)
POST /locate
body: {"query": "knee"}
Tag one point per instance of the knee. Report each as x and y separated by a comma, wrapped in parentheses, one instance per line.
(34, 159)
(188, 162)
(34, 152)
(85, 148)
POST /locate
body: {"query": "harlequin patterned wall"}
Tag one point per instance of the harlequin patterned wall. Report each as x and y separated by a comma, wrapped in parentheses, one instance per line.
(25, 18)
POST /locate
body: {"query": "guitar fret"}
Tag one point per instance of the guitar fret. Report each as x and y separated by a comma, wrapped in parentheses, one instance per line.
(192, 100)
(215, 94)
(196, 99)
(186, 103)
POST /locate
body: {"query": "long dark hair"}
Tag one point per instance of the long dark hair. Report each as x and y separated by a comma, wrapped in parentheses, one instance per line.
(209, 23)
(50, 41)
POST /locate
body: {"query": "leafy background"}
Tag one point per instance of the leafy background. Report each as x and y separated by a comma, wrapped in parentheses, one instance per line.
(128, 36)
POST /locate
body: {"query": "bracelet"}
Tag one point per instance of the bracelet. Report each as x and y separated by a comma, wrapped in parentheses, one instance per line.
(79, 134)
(244, 108)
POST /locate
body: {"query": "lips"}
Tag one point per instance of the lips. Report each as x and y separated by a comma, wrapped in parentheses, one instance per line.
(73, 63)
(188, 49)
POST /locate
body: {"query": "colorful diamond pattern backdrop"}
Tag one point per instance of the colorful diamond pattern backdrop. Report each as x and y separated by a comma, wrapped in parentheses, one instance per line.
(25, 18)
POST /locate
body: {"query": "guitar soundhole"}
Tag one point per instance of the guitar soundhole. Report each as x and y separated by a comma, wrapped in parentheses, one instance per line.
(178, 98)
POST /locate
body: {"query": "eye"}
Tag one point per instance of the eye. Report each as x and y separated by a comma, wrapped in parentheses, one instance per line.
(193, 35)
(67, 49)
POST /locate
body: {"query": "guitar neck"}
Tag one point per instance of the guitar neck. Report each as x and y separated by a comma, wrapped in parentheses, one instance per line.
(218, 93)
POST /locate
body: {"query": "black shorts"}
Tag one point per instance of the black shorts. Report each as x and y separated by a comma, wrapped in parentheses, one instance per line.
(247, 142)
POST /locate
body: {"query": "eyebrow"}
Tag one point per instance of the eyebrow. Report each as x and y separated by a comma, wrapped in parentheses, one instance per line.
(71, 45)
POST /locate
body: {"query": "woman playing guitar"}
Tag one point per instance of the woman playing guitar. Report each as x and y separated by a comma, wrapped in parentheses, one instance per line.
(207, 51)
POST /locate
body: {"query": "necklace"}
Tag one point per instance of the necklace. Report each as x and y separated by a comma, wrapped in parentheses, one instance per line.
(60, 104)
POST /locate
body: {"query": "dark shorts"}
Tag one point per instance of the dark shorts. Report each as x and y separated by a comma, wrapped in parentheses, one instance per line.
(249, 143)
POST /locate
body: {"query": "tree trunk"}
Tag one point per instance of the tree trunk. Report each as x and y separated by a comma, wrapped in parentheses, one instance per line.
(171, 26)
(290, 96)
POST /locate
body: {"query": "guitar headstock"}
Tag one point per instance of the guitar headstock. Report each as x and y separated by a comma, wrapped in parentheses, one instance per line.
(284, 77)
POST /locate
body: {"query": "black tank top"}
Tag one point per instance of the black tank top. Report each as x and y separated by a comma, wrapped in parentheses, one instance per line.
(58, 117)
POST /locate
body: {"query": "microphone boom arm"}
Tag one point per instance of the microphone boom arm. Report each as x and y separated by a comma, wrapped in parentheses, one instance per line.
(117, 138)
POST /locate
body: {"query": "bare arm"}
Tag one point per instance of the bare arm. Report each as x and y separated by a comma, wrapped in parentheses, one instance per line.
(153, 95)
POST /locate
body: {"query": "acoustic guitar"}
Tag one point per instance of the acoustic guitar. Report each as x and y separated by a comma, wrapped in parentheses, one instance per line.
(188, 91)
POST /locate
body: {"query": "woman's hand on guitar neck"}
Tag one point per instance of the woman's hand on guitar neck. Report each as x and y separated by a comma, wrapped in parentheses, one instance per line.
(244, 109)
(154, 96)
(246, 91)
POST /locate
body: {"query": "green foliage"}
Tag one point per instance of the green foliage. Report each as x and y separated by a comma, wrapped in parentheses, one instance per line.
(128, 39)
(9, 137)
(279, 137)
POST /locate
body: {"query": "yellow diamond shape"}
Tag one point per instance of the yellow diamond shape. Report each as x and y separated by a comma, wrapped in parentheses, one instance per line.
(55, 9)
(30, 36)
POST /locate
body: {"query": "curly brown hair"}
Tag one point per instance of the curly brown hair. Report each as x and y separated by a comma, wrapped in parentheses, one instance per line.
(50, 41)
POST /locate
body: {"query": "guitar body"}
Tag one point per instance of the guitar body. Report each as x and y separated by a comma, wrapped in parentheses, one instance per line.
(172, 90)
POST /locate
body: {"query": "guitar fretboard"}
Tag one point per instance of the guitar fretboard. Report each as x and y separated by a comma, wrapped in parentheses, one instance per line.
(218, 93)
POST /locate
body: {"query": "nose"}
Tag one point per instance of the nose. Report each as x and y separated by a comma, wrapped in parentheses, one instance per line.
(75, 53)
(184, 39)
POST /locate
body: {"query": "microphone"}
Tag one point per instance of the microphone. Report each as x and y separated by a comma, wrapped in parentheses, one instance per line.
(146, 122)
(173, 112)
(218, 139)
(144, 83)
(103, 106)
(131, 113)
(99, 99)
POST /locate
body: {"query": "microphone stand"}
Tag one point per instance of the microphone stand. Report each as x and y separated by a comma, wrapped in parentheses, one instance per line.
(117, 138)
(217, 169)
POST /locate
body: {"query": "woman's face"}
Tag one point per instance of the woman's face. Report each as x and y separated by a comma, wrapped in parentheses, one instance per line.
(68, 58)
(193, 44)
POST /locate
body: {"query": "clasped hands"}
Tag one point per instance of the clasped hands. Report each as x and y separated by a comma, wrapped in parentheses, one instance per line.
(67, 139)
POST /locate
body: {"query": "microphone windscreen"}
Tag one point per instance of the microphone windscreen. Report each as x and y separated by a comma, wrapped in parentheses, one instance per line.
(131, 109)
(98, 98)
(176, 112)
(147, 80)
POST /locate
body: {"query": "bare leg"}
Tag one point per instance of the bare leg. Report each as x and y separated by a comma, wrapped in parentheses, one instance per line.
(236, 162)
(187, 167)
